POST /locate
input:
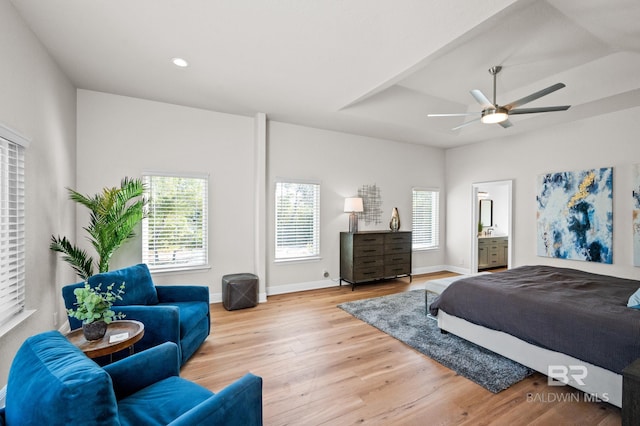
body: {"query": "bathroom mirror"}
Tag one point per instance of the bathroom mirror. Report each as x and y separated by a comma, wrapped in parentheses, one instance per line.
(486, 213)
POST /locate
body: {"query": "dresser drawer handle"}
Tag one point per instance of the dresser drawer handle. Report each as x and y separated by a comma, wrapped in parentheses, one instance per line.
(370, 251)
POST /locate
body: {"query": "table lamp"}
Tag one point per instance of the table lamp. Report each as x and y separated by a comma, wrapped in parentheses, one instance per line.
(353, 206)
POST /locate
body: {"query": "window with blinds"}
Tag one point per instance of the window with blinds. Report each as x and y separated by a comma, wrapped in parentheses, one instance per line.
(12, 231)
(425, 219)
(297, 220)
(174, 233)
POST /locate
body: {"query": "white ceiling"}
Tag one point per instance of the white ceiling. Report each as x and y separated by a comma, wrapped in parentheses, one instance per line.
(369, 67)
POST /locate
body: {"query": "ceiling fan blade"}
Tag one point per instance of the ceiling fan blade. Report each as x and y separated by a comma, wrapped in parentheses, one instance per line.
(465, 124)
(506, 123)
(481, 99)
(540, 109)
(534, 96)
(461, 114)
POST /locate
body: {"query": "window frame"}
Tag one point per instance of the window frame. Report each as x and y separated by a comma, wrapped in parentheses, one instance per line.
(204, 263)
(13, 210)
(315, 253)
(418, 242)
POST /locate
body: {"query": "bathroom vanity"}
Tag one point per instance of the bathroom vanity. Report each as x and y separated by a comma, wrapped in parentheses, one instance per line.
(493, 252)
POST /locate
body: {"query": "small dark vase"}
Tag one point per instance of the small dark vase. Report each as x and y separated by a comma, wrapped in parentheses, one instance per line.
(95, 330)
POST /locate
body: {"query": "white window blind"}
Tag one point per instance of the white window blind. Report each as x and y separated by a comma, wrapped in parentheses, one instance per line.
(297, 220)
(12, 230)
(174, 233)
(425, 219)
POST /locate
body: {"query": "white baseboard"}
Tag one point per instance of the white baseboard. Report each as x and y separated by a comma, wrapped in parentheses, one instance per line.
(430, 269)
(457, 269)
(315, 285)
(217, 297)
(309, 285)
(3, 395)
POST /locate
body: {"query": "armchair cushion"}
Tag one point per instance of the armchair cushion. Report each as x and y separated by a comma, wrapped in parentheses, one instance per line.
(51, 382)
(165, 364)
(176, 396)
(142, 293)
(49, 372)
(191, 313)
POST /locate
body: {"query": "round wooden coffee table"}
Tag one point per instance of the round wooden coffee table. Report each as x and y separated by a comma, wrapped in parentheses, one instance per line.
(120, 335)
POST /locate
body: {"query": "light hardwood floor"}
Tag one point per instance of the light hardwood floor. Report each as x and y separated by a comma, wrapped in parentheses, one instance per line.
(321, 366)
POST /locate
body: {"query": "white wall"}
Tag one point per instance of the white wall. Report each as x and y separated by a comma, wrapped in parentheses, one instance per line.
(608, 140)
(121, 136)
(38, 101)
(343, 163)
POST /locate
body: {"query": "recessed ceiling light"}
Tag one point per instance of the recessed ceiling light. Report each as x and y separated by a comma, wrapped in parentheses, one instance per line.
(179, 62)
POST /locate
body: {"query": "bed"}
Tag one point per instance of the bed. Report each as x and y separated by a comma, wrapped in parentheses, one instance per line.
(543, 315)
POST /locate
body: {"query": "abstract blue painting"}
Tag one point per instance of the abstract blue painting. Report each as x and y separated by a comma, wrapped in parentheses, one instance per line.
(575, 215)
(636, 215)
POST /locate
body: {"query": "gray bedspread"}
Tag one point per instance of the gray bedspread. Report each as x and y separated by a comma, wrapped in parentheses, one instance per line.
(578, 313)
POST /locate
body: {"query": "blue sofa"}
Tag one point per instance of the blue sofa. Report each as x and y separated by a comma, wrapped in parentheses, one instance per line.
(51, 382)
(178, 313)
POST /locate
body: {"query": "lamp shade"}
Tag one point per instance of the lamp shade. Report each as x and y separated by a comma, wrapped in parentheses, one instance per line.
(353, 205)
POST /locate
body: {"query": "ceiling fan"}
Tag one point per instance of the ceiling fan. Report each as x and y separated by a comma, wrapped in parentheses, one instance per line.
(499, 114)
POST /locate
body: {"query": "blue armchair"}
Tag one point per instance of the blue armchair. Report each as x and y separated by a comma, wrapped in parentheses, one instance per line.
(51, 382)
(178, 314)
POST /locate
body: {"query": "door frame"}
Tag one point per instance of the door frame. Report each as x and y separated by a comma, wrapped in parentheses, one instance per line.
(473, 263)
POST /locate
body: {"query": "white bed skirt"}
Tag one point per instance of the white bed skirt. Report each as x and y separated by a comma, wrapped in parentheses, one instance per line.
(600, 383)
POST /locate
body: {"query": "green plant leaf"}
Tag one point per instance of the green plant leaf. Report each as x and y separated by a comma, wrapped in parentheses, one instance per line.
(92, 304)
(79, 260)
(114, 214)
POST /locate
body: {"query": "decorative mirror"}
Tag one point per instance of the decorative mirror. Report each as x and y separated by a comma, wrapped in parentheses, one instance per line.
(486, 213)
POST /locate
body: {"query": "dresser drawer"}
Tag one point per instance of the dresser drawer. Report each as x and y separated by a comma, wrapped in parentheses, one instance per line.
(368, 262)
(394, 259)
(397, 248)
(362, 274)
(367, 239)
(398, 269)
(398, 238)
(368, 250)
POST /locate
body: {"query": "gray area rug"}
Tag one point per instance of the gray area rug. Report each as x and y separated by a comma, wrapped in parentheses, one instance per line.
(403, 316)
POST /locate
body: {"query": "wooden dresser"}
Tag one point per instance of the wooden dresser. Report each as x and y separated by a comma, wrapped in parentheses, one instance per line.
(374, 255)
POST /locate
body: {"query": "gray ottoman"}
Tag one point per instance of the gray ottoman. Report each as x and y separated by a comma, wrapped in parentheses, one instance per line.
(239, 291)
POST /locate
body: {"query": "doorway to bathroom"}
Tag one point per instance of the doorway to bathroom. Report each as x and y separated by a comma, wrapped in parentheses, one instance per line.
(492, 226)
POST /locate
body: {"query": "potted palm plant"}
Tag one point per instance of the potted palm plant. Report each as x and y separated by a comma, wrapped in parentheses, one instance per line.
(93, 308)
(115, 212)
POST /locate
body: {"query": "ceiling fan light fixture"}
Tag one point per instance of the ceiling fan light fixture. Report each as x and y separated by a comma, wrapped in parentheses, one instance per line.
(492, 116)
